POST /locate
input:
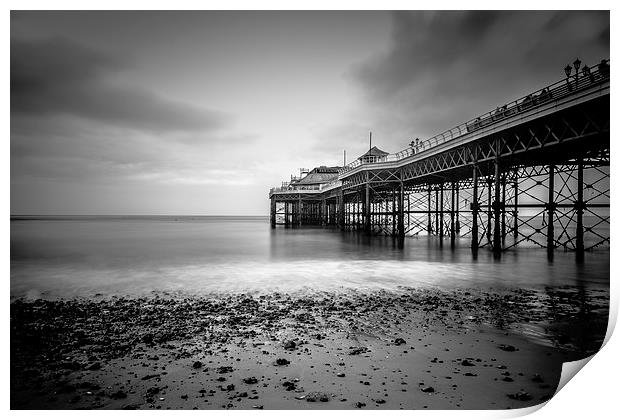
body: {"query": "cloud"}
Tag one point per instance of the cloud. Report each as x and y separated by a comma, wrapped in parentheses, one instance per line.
(443, 68)
(59, 77)
(77, 150)
(461, 49)
(422, 43)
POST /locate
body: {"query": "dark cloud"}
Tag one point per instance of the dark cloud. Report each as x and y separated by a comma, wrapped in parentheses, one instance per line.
(422, 43)
(603, 36)
(56, 76)
(464, 48)
(443, 68)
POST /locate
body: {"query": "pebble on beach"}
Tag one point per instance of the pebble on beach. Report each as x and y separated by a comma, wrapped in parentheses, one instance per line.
(225, 351)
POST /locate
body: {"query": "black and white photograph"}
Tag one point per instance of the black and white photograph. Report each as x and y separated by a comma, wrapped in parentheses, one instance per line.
(306, 209)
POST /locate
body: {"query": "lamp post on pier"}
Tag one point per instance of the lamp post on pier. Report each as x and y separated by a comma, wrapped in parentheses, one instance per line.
(568, 70)
(577, 65)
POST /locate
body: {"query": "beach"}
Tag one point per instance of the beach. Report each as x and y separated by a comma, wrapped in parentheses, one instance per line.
(411, 348)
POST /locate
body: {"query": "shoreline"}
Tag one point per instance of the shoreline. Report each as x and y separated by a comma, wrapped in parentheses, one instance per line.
(411, 349)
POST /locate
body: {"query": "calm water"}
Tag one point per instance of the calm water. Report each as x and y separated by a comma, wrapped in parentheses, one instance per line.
(122, 255)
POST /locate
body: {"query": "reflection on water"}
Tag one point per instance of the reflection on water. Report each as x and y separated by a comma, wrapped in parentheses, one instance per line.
(129, 255)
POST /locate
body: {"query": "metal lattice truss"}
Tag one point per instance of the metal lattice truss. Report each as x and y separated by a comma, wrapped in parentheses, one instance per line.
(534, 206)
(573, 131)
(542, 182)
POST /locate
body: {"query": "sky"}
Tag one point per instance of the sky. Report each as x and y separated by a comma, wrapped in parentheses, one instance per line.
(201, 112)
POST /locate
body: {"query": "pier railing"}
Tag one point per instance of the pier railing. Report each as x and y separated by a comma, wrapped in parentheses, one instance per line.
(317, 188)
(557, 90)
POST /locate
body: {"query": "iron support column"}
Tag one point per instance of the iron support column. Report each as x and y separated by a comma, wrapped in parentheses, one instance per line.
(360, 212)
(429, 226)
(550, 213)
(503, 211)
(497, 207)
(394, 233)
(452, 225)
(367, 210)
(299, 211)
(357, 212)
(458, 211)
(441, 217)
(474, 212)
(401, 215)
(408, 205)
(489, 208)
(286, 214)
(272, 213)
(580, 207)
(515, 212)
(340, 216)
(436, 210)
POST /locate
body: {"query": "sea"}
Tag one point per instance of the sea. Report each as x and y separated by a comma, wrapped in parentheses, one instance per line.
(84, 256)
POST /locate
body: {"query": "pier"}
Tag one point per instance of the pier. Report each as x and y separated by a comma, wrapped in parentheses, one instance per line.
(534, 172)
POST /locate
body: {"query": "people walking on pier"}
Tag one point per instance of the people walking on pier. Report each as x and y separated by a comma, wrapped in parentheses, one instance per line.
(603, 68)
(527, 102)
(544, 95)
(587, 72)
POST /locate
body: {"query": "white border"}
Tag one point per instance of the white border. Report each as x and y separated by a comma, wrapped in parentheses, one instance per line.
(591, 395)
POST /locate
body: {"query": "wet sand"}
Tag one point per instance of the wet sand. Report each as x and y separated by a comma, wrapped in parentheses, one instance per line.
(411, 349)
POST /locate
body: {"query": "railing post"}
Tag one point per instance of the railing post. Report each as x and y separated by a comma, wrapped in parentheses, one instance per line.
(550, 212)
(580, 207)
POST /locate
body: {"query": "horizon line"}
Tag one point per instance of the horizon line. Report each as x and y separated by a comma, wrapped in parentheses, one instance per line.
(136, 214)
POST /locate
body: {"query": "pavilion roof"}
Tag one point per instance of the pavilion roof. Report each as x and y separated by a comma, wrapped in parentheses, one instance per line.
(374, 151)
(320, 175)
